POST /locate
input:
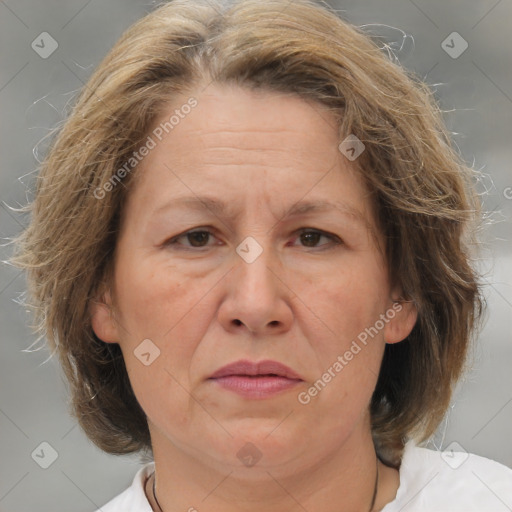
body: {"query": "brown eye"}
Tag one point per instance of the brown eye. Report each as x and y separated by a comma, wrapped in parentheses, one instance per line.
(311, 238)
(198, 238)
(191, 239)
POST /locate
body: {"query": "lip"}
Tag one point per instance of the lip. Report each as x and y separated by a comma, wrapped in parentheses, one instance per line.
(249, 368)
(256, 379)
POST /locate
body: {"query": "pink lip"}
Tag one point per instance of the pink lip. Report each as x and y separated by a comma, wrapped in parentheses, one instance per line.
(256, 380)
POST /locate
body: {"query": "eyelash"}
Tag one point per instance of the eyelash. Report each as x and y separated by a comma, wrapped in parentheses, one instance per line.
(174, 240)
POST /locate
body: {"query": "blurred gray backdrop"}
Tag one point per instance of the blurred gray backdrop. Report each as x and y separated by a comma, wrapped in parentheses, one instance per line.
(49, 48)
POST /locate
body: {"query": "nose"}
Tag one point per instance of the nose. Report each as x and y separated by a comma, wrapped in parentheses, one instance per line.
(257, 298)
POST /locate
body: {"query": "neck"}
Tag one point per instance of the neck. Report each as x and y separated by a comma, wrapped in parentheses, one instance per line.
(342, 481)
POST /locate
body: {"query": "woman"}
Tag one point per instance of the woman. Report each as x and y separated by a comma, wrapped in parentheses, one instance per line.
(259, 270)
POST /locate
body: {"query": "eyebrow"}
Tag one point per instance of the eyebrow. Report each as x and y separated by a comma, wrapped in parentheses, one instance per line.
(222, 209)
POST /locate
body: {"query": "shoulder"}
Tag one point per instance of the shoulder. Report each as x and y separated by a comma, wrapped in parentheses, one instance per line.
(132, 499)
(436, 481)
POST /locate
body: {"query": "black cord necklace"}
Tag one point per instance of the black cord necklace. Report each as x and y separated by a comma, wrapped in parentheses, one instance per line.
(154, 494)
(374, 497)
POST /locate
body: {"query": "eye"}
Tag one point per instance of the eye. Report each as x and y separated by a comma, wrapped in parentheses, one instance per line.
(196, 238)
(310, 238)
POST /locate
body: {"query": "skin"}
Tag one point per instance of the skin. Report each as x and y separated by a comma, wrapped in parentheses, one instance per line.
(301, 302)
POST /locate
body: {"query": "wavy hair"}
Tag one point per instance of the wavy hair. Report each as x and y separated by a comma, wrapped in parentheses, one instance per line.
(422, 191)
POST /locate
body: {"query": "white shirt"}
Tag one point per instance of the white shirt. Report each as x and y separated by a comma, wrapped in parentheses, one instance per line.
(430, 481)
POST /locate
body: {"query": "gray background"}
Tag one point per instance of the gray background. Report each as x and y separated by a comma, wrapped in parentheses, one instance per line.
(475, 89)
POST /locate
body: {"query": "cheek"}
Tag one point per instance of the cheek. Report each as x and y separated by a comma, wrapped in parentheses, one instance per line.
(348, 301)
(159, 304)
(348, 351)
(155, 302)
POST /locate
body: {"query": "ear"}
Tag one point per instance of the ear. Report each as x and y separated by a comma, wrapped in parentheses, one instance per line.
(102, 319)
(401, 322)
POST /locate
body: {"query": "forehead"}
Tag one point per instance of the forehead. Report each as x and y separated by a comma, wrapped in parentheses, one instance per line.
(228, 118)
(243, 148)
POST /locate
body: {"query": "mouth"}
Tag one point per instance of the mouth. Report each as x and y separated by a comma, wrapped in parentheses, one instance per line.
(256, 380)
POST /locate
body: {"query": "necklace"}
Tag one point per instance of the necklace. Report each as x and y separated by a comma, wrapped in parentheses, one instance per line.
(154, 494)
(374, 497)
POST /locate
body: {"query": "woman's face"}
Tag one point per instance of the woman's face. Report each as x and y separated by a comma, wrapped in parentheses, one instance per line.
(283, 265)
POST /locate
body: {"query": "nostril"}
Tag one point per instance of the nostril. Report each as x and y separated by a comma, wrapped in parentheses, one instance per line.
(237, 322)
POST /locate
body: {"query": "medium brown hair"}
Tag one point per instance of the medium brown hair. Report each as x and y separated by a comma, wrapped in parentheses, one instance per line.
(421, 189)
